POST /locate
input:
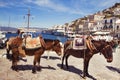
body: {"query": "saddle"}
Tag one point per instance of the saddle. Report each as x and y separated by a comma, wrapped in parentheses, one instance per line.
(81, 42)
(32, 43)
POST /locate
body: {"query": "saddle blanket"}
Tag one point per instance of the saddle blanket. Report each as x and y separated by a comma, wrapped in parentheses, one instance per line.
(79, 43)
(32, 43)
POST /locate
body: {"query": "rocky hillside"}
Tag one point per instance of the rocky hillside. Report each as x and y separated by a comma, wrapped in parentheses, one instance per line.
(113, 11)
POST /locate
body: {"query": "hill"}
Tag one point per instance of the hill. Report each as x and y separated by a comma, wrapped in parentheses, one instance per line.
(13, 29)
(8, 29)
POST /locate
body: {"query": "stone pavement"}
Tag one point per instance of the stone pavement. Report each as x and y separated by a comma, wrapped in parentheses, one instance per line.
(99, 69)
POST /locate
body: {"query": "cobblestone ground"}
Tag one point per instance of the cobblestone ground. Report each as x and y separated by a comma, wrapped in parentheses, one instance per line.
(99, 69)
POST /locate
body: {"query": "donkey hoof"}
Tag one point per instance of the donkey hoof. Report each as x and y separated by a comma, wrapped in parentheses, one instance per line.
(16, 70)
(87, 74)
(61, 67)
(38, 69)
(13, 67)
(34, 71)
(84, 77)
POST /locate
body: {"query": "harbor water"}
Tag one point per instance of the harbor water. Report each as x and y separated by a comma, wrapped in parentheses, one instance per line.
(45, 36)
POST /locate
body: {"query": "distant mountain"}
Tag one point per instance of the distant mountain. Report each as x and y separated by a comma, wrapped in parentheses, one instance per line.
(8, 29)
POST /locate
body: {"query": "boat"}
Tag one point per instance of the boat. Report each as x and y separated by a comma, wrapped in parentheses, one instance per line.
(48, 31)
(3, 39)
(24, 32)
(70, 34)
(59, 32)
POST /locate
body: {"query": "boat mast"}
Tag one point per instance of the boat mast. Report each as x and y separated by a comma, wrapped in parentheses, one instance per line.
(9, 22)
(28, 19)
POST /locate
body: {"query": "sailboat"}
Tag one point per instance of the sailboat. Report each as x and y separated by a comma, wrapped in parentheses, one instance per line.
(27, 32)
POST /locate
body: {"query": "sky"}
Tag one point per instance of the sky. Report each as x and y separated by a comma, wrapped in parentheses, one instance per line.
(48, 13)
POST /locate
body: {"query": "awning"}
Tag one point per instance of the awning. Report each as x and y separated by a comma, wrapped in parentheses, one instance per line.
(100, 33)
(117, 21)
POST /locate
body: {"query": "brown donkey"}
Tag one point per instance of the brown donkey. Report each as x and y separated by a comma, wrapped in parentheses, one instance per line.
(46, 44)
(86, 54)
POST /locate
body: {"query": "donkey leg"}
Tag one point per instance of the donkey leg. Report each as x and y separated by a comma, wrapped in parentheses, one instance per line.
(14, 62)
(14, 66)
(85, 71)
(63, 60)
(48, 56)
(8, 53)
(39, 68)
(8, 50)
(66, 60)
(62, 54)
(34, 64)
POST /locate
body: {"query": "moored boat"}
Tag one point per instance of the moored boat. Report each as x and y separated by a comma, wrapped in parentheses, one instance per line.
(2, 39)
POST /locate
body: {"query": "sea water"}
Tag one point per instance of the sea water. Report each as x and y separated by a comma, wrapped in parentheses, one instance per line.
(45, 36)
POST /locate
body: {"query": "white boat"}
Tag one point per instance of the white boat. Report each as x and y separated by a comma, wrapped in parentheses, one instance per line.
(49, 31)
(27, 34)
(2, 39)
(70, 34)
(59, 32)
(2, 35)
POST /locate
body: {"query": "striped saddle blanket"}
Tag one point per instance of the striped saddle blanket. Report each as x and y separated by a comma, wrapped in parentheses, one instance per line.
(79, 43)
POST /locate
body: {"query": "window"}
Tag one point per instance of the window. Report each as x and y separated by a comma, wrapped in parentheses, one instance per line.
(111, 21)
(105, 21)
